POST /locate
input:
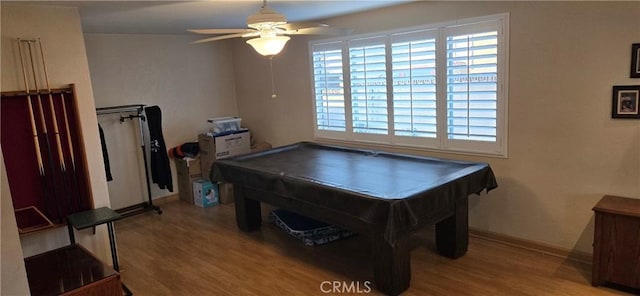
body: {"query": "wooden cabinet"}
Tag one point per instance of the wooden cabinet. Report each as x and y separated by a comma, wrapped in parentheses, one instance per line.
(616, 246)
(71, 270)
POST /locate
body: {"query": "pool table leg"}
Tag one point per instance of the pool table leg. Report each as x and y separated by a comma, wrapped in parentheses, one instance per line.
(452, 233)
(392, 268)
(248, 213)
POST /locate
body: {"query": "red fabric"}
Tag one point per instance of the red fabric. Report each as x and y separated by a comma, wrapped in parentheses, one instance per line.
(19, 153)
(28, 219)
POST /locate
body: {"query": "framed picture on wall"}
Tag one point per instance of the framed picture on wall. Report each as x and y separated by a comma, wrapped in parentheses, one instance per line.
(626, 101)
(635, 60)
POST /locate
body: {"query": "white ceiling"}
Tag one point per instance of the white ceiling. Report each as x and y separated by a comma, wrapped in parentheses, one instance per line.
(175, 17)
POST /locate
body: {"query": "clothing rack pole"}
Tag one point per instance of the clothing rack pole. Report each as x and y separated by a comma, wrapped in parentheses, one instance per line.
(138, 109)
(120, 109)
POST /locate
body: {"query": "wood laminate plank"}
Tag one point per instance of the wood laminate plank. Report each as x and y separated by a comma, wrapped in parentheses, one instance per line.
(194, 251)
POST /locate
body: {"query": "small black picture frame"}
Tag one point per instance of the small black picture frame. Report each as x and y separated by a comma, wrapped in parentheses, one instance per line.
(626, 102)
(635, 60)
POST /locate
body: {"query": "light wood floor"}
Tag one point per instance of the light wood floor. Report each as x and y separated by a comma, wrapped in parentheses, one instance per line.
(193, 251)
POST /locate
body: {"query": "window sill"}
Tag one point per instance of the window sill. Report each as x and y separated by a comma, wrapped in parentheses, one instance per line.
(405, 149)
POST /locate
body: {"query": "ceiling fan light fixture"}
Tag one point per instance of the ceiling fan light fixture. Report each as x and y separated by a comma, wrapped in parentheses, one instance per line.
(268, 46)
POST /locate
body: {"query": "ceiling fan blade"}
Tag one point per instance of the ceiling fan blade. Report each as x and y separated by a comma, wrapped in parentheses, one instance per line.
(220, 31)
(251, 34)
(301, 25)
(219, 38)
(320, 31)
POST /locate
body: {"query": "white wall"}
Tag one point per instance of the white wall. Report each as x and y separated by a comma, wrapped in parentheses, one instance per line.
(61, 36)
(565, 151)
(189, 82)
(287, 118)
(13, 279)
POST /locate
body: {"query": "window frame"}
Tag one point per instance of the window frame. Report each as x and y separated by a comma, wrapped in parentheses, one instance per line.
(441, 143)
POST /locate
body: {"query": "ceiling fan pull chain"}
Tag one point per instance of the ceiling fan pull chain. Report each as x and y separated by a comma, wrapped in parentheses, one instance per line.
(273, 86)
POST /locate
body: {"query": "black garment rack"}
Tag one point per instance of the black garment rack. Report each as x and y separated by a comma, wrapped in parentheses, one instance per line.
(134, 111)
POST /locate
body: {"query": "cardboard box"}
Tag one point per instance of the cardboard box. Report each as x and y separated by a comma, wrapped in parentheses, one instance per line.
(221, 147)
(206, 164)
(188, 170)
(224, 146)
(226, 192)
(260, 146)
(205, 193)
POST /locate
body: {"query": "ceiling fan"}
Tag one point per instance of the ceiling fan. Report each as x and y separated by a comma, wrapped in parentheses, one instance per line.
(271, 29)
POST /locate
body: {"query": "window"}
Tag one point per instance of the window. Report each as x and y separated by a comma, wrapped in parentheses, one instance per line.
(414, 88)
(367, 59)
(439, 87)
(329, 92)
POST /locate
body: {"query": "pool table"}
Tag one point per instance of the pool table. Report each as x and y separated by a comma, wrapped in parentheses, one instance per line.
(384, 196)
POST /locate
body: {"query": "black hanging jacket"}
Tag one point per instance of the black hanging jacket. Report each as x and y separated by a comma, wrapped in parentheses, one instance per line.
(160, 169)
(105, 155)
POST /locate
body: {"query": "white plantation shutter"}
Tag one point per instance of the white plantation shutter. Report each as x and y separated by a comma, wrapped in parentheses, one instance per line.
(329, 87)
(475, 71)
(472, 86)
(441, 87)
(367, 66)
(414, 84)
